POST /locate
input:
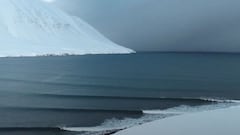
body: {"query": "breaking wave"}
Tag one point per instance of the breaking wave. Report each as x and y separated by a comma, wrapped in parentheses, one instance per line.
(115, 125)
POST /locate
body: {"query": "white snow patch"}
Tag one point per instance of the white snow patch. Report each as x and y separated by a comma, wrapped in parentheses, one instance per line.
(32, 27)
(113, 125)
(215, 122)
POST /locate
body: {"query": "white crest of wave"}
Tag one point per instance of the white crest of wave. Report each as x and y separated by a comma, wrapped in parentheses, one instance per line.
(217, 104)
(113, 125)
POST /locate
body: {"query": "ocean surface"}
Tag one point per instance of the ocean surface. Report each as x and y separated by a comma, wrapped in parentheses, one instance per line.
(104, 93)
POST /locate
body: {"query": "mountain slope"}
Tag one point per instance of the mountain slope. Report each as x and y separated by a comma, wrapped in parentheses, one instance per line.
(31, 27)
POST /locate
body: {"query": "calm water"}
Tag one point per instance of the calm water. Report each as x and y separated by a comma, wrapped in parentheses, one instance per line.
(41, 93)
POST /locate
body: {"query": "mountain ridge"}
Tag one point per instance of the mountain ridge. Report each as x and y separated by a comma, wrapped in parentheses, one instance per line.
(30, 28)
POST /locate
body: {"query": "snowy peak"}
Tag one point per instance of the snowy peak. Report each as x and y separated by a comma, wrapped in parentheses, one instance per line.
(31, 27)
(31, 14)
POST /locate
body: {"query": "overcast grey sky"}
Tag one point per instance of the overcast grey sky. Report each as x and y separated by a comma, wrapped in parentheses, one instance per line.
(165, 25)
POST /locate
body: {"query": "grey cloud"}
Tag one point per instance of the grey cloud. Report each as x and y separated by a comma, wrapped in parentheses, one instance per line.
(163, 25)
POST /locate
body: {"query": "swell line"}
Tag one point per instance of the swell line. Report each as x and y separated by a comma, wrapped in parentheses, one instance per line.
(73, 110)
(31, 129)
(200, 99)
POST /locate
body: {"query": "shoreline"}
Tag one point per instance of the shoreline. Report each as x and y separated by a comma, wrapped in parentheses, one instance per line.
(220, 122)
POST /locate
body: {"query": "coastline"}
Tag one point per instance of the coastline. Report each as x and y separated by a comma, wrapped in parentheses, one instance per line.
(215, 122)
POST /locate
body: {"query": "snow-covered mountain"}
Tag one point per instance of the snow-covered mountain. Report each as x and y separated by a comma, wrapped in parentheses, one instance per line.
(31, 27)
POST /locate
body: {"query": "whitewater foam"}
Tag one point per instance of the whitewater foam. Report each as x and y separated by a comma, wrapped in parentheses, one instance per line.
(116, 124)
(113, 125)
(182, 109)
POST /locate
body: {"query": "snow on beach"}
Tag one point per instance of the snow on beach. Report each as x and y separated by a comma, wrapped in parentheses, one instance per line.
(111, 126)
(224, 121)
(32, 27)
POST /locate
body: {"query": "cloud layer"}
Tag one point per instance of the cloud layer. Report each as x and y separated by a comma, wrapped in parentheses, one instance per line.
(163, 25)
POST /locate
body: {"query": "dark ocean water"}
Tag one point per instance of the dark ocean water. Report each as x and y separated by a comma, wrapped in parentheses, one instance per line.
(39, 94)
